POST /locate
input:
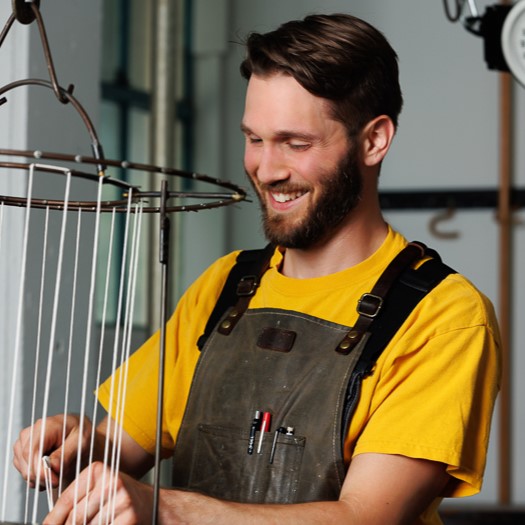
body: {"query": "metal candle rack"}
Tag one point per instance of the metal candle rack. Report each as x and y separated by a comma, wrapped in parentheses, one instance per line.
(162, 201)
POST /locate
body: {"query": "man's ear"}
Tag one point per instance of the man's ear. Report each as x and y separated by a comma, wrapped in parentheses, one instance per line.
(377, 136)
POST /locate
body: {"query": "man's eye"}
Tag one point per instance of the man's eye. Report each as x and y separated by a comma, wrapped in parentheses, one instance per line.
(298, 146)
(254, 140)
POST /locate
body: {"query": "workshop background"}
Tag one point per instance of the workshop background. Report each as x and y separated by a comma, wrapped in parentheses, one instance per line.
(161, 82)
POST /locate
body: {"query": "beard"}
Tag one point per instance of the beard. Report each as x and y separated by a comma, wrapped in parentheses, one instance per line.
(339, 195)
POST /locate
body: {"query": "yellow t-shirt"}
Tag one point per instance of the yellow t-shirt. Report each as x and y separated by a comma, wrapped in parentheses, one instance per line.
(430, 396)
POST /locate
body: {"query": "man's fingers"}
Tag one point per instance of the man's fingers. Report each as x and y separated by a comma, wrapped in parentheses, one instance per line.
(80, 502)
(25, 457)
(43, 438)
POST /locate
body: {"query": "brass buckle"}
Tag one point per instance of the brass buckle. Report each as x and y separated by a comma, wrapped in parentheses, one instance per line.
(247, 286)
(369, 305)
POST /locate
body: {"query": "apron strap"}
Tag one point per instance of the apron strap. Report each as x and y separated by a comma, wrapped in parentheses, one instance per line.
(403, 296)
(241, 284)
(371, 303)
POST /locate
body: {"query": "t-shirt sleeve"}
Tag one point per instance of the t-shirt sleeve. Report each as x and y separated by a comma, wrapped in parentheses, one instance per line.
(433, 393)
(130, 394)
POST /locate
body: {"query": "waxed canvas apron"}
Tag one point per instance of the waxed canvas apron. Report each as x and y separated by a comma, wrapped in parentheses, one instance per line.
(276, 361)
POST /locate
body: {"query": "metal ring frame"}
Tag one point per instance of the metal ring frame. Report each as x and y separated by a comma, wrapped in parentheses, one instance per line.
(26, 13)
(217, 199)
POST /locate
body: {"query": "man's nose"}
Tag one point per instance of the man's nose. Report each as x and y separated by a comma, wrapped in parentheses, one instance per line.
(272, 166)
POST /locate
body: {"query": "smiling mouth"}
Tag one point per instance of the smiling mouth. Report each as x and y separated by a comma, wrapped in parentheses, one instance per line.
(287, 197)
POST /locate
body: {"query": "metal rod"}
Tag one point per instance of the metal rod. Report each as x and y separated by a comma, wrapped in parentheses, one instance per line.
(505, 278)
(162, 131)
(164, 248)
(59, 92)
(7, 27)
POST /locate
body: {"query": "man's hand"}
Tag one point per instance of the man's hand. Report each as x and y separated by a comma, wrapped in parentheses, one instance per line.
(28, 453)
(97, 493)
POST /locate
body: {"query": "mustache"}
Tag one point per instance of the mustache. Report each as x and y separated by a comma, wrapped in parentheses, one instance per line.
(279, 186)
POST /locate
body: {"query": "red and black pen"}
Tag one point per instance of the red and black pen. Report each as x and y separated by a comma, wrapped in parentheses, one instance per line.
(265, 427)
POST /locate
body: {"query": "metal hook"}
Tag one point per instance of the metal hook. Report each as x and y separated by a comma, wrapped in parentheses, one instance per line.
(49, 59)
(445, 215)
(26, 12)
(95, 144)
(23, 10)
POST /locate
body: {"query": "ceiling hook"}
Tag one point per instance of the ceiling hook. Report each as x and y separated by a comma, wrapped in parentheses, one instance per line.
(445, 215)
(49, 59)
(23, 10)
(26, 12)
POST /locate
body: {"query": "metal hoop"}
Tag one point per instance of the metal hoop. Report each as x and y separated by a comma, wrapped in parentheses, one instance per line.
(217, 199)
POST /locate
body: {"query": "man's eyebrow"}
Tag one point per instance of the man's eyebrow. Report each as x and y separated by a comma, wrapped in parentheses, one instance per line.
(245, 129)
(283, 134)
(295, 134)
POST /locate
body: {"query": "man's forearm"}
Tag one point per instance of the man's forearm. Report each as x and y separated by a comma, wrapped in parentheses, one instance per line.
(134, 460)
(177, 507)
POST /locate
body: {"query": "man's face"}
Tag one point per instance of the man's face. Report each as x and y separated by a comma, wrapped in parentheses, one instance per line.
(299, 160)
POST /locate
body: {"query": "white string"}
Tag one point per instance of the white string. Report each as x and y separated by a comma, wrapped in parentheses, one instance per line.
(88, 341)
(100, 350)
(108, 440)
(122, 343)
(117, 436)
(50, 492)
(103, 323)
(37, 357)
(70, 349)
(18, 336)
(49, 368)
(127, 345)
(113, 468)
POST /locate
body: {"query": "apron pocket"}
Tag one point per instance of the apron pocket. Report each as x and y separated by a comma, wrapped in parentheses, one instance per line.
(222, 467)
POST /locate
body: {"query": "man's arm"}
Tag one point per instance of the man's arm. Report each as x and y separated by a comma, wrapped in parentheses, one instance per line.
(379, 489)
(134, 460)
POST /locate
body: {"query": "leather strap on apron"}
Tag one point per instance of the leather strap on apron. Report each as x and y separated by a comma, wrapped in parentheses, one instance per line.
(241, 284)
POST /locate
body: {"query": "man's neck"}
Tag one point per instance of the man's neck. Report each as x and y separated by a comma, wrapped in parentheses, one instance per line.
(348, 247)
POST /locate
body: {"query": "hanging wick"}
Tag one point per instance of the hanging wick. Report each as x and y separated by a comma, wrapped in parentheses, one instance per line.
(50, 491)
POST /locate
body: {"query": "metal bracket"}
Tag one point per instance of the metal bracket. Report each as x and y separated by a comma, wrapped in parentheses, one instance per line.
(23, 10)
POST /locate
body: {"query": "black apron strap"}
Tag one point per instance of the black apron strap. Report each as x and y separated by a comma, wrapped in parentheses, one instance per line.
(244, 275)
(403, 296)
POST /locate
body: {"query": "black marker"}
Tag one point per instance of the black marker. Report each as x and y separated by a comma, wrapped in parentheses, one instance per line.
(288, 431)
(255, 426)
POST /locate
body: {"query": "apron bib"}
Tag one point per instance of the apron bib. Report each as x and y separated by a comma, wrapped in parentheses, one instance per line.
(276, 361)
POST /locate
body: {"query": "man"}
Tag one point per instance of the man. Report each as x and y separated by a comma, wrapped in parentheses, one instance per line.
(321, 111)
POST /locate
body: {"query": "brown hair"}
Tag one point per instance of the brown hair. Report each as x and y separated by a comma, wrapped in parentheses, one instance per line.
(337, 57)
